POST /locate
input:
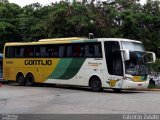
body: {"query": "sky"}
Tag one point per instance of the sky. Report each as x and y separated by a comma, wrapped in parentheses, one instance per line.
(27, 2)
(43, 2)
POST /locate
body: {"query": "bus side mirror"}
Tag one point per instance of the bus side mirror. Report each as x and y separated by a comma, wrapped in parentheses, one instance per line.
(151, 57)
(125, 54)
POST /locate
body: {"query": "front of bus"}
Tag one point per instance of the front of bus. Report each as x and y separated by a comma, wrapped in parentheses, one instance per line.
(135, 64)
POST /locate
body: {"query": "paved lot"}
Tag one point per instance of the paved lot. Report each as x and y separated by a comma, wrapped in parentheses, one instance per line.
(69, 100)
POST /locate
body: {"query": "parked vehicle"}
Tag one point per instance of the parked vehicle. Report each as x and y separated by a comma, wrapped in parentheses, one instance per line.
(98, 63)
(1, 64)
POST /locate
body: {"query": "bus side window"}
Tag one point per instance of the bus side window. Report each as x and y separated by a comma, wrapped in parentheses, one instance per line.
(98, 50)
(37, 51)
(52, 50)
(78, 50)
(19, 52)
(89, 51)
(49, 51)
(81, 54)
(10, 52)
(29, 51)
(69, 51)
(61, 51)
(22, 52)
(43, 52)
(55, 51)
(75, 50)
(7, 52)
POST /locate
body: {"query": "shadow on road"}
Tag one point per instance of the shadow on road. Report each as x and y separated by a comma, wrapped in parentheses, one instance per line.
(78, 88)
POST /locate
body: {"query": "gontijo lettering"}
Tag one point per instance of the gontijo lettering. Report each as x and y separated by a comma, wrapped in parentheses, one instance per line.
(38, 62)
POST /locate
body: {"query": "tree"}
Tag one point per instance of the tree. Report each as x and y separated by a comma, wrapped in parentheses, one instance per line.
(113, 18)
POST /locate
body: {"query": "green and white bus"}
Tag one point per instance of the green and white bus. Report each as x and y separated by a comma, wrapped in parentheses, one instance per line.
(98, 63)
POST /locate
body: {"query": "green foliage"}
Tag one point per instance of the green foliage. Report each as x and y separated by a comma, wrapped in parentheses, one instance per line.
(156, 66)
(121, 18)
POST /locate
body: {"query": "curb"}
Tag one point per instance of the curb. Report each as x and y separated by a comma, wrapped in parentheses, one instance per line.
(154, 89)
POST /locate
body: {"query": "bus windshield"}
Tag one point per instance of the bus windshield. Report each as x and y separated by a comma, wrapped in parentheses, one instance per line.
(133, 46)
(137, 65)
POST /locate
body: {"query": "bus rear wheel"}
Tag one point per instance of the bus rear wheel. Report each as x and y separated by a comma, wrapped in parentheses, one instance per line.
(29, 79)
(20, 79)
(96, 84)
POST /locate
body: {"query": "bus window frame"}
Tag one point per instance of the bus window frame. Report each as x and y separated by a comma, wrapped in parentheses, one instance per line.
(83, 55)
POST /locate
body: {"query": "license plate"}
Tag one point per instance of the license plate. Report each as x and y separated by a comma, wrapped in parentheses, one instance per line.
(139, 84)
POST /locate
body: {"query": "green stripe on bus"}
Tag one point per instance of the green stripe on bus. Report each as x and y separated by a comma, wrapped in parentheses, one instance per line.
(73, 68)
(60, 68)
(67, 68)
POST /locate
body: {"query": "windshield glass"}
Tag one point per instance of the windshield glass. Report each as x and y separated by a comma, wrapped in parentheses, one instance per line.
(132, 46)
(137, 65)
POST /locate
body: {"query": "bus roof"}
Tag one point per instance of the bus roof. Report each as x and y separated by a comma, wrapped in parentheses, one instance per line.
(118, 39)
(67, 40)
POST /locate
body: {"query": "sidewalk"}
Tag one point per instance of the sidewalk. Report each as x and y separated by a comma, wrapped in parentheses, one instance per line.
(149, 89)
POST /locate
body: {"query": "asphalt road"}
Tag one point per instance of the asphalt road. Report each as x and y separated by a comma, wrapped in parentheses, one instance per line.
(70, 100)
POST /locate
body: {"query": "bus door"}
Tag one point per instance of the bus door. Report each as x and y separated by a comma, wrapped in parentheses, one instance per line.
(114, 63)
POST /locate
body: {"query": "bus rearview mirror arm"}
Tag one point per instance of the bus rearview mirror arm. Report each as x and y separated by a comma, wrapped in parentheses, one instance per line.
(125, 54)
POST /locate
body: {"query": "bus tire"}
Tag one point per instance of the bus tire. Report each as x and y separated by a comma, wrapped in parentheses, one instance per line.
(95, 84)
(29, 79)
(20, 79)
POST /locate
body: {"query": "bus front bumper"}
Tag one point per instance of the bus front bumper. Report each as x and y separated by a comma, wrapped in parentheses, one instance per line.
(127, 84)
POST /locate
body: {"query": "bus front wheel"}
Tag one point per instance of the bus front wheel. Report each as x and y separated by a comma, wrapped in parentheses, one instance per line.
(20, 79)
(29, 79)
(96, 84)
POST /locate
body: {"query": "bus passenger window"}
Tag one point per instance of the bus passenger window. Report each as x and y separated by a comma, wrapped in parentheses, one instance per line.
(19, 52)
(55, 51)
(61, 51)
(29, 51)
(69, 51)
(52, 50)
(43, 52)
(89, 51)
(10, 52)
(37, 51)
(75, 51)
(81, 54)
(98, 50)
(79, 50)
(22, 52)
